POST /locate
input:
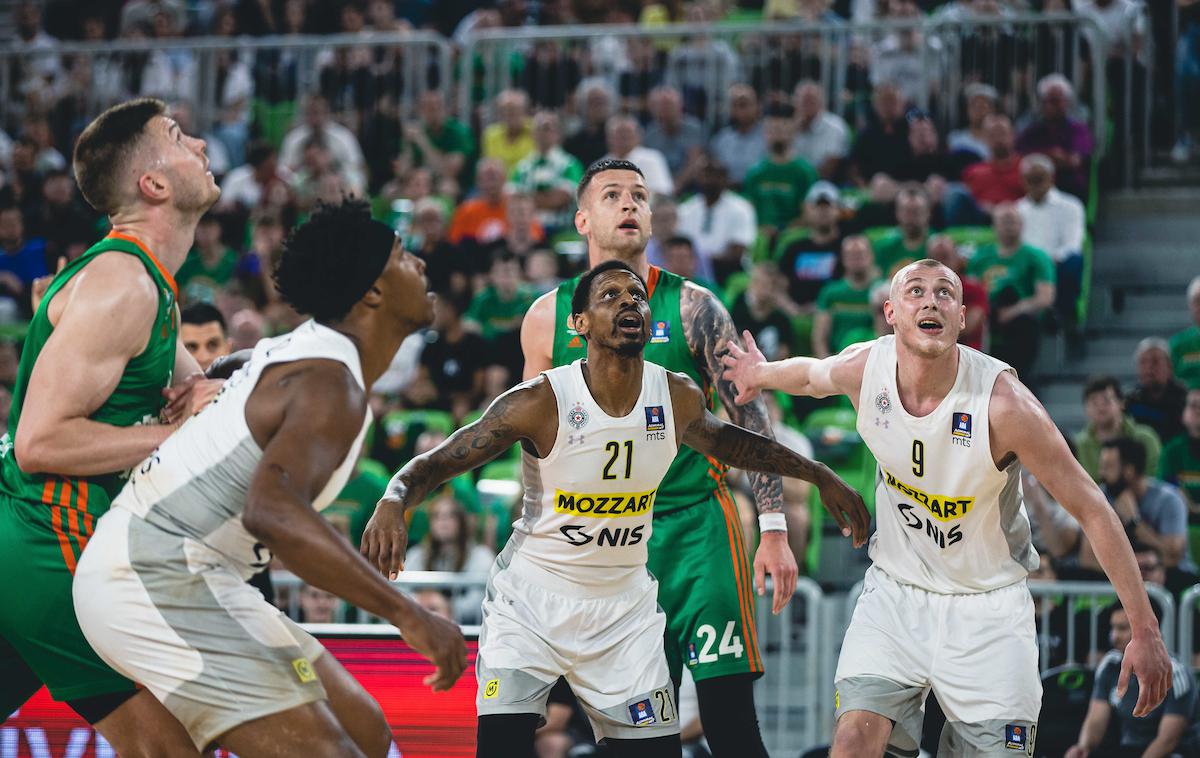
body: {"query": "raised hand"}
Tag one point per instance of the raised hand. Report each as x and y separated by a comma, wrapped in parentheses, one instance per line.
(740, 367)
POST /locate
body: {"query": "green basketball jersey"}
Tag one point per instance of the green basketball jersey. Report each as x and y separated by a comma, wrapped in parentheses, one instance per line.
(137, 398)
(692, 477)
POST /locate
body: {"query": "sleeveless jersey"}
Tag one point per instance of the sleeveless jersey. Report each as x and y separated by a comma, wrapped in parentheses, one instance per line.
(194, 486)
(948, 521)
(692, 477)
(137, 398)
(589, 502)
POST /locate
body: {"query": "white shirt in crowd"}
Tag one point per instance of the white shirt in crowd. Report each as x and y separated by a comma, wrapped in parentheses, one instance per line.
(654, 167)
(241, 188)
(1055, 225)
(342, 144)
(1121, 21)
(712, 229)
(738, 152)
(826, 137)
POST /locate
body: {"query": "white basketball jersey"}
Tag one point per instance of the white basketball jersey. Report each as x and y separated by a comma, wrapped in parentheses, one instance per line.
(948, 520)
(194, 485)
(588, 503)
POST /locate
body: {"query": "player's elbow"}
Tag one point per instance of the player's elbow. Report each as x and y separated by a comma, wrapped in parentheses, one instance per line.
(33, 450)
(262, 520)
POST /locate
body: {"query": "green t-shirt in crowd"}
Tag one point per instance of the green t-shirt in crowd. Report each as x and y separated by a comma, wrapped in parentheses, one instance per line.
(199, 282)
(1185, 356)
(352, 508)
(849, 308)
(1023, 270)
(777, 190)
(891, 254)
(1088, 445)
(495, 315)
(1180, 465)
(455, 137)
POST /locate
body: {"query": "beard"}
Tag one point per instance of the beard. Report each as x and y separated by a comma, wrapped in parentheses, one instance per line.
(193, 196)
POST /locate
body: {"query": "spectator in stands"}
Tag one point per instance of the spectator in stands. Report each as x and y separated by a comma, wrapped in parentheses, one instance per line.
(1020, 284)
(743, 142)
(1055, 532)
(777, 184)
(843, 313)
(907, 243)
(822, 138)
(990, 182)
(342, 144)
(138, 12)
(589, 143)
(1158, 399)
(318, 606)
(448, 266)
(679, 256)
(483, 217)
(1187, 79)
(624, 137)
(66, 224)
(439, 142)
(943, 249)
(510, 139)
(522, 232)
(882, 147)
(449, 546)
(762, 308)
(260, 184)
(497, 310)
(541, 271)
(37, 69)
(550, 174)
(257, 263)
(677, 135)
(1054, 223)
(1107, 420)
(721, 223)
(1185, 344)
(905, 56)
(47, 158)
(930, 165)
(1153, 512)
(21, 261)
(202, 332)
(1180, 461)
(1066, 141)
(664, 220)
(436, 602)
(809, 260)
(246, 328)
(1162, 732)
(209, 266)
(454, 358)
(972, 140)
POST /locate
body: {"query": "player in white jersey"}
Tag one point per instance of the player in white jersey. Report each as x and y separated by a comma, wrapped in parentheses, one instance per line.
(161, 594)
(945, 605)
(570, 594)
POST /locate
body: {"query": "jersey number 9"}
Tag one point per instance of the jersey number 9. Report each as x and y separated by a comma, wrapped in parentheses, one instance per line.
(918, 458)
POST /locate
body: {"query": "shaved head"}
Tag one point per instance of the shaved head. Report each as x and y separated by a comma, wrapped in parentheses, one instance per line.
(922, 267)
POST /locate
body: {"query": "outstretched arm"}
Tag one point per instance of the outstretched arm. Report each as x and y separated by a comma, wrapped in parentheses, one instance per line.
(509, 419)
(303, 443)
(739, 447)
(750, 372)
(1021, 426)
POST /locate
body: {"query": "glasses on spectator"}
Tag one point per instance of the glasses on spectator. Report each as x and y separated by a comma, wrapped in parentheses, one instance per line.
(917, 114)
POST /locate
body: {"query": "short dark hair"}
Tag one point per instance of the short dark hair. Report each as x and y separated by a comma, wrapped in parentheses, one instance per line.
(604, 164)
(259, 151)
(106, 144)
(583, 290)
(1132, 452)
(332, 259)
(202, 313)
(679, 239)
(780, 110)
(1098, 384)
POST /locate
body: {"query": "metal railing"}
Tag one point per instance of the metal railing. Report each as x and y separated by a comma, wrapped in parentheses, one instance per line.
(931, 59)
(287, 593)
(1187, 629)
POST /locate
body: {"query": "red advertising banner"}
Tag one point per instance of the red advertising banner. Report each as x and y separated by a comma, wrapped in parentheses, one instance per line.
(425, 724)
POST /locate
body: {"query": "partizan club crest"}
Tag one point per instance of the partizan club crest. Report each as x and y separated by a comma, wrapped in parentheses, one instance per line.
(883, 401)
(577, 417)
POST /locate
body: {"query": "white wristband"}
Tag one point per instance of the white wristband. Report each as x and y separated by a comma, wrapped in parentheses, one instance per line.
(772, 522)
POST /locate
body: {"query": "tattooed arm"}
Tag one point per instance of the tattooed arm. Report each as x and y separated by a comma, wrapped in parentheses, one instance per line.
(516, 416)
(709, 329)
(702, 431)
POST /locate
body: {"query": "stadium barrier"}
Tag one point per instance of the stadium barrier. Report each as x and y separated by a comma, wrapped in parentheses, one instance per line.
(1187, 625)
(932, 59)
(229, 81)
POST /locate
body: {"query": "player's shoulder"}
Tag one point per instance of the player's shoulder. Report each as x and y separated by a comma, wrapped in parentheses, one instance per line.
(531, 399)
(1011, 402)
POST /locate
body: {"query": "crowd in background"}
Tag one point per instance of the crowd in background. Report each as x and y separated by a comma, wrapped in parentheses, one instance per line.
(793, 215)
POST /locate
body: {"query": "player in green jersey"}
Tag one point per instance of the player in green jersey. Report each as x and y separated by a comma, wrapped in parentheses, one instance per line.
(697, 548)
(102, 382)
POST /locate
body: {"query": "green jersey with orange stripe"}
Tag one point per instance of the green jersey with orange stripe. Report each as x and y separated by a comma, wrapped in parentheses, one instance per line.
(137, 398)
(692, 477)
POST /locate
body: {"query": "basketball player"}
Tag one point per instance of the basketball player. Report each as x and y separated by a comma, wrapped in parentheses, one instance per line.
(160, 591)
(698, 551)
(101, 350)
(945, 605)
(570, 594)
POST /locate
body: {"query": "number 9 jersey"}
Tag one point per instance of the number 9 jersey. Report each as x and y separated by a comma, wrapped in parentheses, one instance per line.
(948, 520)
(588, 503)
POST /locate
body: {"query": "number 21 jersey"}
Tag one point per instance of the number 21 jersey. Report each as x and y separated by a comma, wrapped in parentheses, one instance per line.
(948, 520)
(589, 502)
